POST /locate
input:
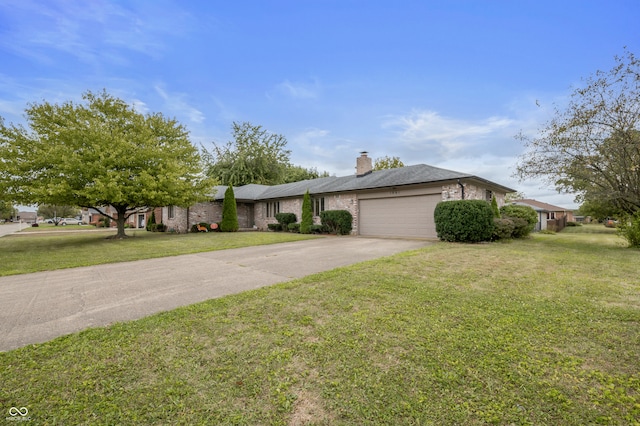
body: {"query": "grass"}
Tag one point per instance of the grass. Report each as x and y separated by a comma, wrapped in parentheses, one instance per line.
(535, 332)
(72, 246)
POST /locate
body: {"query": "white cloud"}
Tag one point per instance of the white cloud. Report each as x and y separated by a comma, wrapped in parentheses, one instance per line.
(176, 103)
(298, 90)
(140, 106)
(93, 32)
(445, 136)
(318, 148)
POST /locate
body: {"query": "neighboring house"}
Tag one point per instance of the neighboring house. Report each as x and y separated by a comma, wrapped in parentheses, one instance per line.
(384, 203)
(137, 220)
(549, 216)
(28, 217)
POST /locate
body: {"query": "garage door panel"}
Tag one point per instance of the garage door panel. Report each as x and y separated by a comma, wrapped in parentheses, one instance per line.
(398, 217)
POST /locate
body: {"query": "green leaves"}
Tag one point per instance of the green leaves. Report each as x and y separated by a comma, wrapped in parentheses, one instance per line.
(101, 152)
(592, 148)
(254, 156)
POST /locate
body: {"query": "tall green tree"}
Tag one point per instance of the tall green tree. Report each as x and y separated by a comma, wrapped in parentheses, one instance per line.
(98, 153)
(254, 156)
(592, 147)
(229, 222)
(387, 162)
(307, 214)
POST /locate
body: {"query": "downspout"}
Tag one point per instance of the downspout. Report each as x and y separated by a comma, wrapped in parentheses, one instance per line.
(462, 187)
(187, 220)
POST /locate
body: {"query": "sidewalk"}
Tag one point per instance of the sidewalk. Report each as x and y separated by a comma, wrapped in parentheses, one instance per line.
(10, 228)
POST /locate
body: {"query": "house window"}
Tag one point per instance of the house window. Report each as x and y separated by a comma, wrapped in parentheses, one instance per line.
(318, 206)
(171, 213)
(273, 208)
(551, 215)
(488, 195)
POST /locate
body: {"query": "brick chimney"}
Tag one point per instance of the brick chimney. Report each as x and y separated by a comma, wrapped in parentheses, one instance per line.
(364, 165)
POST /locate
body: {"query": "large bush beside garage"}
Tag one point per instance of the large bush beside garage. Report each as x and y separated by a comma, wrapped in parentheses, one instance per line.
(337, 221)
(466, 221)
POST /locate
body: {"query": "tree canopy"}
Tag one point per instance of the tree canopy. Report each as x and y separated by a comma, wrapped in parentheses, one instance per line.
(255, 155)
(7, 211)
(98, 153)
(387, 162)
(592, 148)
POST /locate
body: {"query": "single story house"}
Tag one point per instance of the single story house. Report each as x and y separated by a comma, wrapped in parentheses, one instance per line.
(28, 217)
(137, 220)
(549, 216)
(385, 203)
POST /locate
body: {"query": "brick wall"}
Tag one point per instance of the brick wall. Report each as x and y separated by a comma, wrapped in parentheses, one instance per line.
(471, 192)
(294, 205)
(209, 212)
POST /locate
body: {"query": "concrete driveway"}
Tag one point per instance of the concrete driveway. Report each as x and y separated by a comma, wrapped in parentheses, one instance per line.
(41, 306)
(10, 228)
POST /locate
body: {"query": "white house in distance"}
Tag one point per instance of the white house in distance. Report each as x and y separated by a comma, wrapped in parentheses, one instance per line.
(384, 203)
(549, 216)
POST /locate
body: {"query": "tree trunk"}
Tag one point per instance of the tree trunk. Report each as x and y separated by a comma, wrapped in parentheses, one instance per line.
(120, 222)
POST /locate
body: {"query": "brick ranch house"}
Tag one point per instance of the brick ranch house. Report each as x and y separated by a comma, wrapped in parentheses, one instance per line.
(384, 203)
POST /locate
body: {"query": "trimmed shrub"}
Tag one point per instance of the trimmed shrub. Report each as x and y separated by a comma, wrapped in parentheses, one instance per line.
(294, 227)
(526, 213)
(337, 221)
(307, 214)
(106, 222)
(159, 227)
(229, 221)
(494, 207)
(522, 228)
(285, 219)
(502, 228)
(465, 221)
(274, 227)
(574, 224)
(151, 222)
(318, 229)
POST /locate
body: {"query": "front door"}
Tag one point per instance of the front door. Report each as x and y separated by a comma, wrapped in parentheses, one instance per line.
(141, 223)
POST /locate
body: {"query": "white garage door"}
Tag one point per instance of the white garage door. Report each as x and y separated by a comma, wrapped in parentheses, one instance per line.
(398, 217)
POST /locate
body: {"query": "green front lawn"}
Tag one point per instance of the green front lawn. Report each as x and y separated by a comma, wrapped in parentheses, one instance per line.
(544, 331)
(61, 248)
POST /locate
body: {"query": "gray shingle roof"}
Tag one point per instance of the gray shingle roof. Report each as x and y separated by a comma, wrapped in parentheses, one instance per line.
(410, 175)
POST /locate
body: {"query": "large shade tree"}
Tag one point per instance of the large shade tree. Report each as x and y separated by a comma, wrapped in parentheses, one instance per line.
(255, 155)
(99, 153)
(592, 148)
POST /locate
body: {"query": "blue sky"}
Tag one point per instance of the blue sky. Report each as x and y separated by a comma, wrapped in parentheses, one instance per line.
(445, 83)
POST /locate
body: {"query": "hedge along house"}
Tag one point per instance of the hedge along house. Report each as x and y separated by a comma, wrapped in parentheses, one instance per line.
(384, 203)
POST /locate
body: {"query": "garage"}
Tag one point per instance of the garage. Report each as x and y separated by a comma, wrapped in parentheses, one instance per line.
(409, 216)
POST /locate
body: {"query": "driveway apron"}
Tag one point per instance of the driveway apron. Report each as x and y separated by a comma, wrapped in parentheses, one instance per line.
(41, 306)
